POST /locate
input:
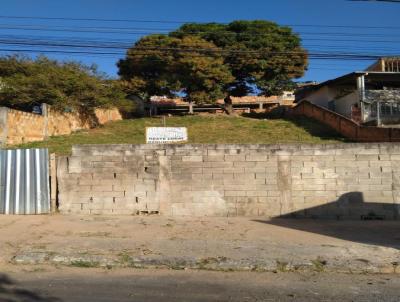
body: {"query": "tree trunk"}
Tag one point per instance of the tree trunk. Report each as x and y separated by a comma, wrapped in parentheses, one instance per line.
(228, 105)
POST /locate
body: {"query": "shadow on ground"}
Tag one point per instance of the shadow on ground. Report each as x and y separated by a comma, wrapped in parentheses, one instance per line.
(11, 292)
(349, 218)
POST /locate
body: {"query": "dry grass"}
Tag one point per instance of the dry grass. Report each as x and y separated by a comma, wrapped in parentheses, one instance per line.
(202, 130)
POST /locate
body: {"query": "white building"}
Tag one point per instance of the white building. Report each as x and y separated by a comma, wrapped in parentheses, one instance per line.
(371, 96)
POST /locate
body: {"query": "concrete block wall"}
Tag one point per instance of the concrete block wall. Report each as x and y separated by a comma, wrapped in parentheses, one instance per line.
(334, 181)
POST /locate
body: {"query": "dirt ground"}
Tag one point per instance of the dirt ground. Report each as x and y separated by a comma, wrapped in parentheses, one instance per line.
(212, 243)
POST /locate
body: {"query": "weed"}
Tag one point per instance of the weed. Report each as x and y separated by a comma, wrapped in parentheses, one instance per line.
(319, 264)
(84, 263)
(125, 258)
(282, 266)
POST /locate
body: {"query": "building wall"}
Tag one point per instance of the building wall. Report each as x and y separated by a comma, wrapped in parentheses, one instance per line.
(343, 105)
(20, 127)
(322, 96)
(329, 181)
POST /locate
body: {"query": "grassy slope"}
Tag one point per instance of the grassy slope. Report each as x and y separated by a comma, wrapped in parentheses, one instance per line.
(202, 129)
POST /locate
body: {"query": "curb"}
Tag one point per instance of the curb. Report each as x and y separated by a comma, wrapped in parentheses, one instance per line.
(212, 264)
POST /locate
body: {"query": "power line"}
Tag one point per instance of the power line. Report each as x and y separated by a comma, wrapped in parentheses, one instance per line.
(149, 30)
(180, 49)
(127, 43)
(145, 33)
(182, 21)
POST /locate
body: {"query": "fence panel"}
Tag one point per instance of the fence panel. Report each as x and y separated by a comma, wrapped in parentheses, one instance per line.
(24, 181)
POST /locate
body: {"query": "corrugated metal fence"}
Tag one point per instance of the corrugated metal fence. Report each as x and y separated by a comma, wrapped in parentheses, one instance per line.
(24, 181)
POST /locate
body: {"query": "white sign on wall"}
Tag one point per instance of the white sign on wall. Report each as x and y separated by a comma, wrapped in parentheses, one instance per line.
(166, 135)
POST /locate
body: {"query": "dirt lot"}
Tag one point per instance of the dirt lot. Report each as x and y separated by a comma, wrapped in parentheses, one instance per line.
(208, 243)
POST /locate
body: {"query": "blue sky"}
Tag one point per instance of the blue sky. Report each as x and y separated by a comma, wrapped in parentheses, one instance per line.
(311, 18)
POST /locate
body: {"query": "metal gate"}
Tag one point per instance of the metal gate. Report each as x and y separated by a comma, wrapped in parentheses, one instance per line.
(24, 181)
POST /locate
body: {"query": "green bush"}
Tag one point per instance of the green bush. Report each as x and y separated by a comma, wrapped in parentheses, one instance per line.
(66, 86)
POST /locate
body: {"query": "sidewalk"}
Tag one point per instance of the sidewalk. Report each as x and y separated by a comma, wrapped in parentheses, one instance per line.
(201, 243)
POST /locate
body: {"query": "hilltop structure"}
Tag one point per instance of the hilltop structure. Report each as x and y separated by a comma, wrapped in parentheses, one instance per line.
(367, 97)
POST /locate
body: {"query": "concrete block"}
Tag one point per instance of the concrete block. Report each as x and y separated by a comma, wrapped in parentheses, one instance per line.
(225, 165)
(345, 157)
(312, 175)
(235, 171)
(301, 169)
(245, 176)
(361, 157)
(222, 176)
(247, 186)
(381, 187)
(370, 181)
(143, 187)
(301, 158)
(327, 152)
(247, 164)
(274, 193)
(102, 188)
(313, 187)
(256, 193)
(74, 165)
(268, 181)
(83, 189)
(258, 158)
(365, 151)
(217, 158)
(213, 170)
(314, 164)
(330, 175)
(380, 163)
(235, 158)
(234, 193)
(255, 170)
(234, 181)
(197, 158)
(110, 194)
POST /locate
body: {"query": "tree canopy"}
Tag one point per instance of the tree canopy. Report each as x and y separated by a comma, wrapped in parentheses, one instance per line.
(209, 61)
(166, 65)
(67, 86)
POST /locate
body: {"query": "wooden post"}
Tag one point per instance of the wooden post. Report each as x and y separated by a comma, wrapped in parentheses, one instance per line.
(191, 107)
(53, 183)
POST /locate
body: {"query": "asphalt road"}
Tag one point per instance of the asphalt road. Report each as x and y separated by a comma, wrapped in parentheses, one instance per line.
(87, 285)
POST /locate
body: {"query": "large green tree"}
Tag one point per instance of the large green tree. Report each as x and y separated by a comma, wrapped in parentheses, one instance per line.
(67, 86)
(207, 61)
(165, 65)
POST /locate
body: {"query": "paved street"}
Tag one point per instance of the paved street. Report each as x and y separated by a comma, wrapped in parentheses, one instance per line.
(86, 285)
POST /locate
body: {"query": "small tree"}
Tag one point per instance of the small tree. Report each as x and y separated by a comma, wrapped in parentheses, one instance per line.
(68, 86)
